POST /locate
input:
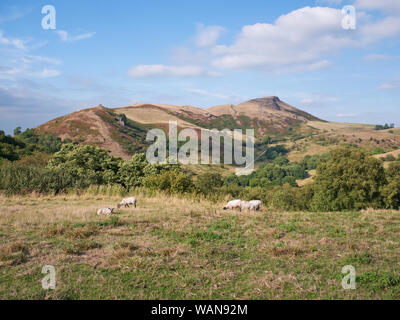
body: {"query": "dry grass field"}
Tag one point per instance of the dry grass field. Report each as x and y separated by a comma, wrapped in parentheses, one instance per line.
(176, 248)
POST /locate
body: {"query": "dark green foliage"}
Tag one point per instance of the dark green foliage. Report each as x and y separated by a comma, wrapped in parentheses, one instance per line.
(265, 153)
(350, 179)
(173, 181)
(132, 172)
(42, 142)
(26, 143)
(276, 172)
(93, 164)
(311, 162)
(209, 182)
(290, 198)
(386, 126)
(10, 148)
(17, 179)
(391, 191)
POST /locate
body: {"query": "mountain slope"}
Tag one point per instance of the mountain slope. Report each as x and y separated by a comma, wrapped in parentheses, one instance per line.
(102, 127)
(123, 130)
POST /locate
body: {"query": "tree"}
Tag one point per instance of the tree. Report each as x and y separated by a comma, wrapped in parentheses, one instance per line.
(132, 172)
(209, 182)
(17, 131)
(350, 179)
(173, 181)
(391, 191)
(85, 162)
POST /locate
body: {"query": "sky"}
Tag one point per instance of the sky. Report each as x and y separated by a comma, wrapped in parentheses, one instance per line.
(200, 53)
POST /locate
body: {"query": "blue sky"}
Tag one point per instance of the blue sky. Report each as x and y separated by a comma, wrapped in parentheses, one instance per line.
(200, 53)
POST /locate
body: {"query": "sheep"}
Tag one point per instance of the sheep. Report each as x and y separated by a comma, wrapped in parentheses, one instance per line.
(127, 201)
(233, 205)
(244, 205)
(105, 211)
(254, 205)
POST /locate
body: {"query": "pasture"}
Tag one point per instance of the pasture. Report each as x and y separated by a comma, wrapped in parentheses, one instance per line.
(180, 248)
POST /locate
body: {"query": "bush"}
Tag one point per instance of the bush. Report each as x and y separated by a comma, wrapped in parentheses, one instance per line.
(311, 162)
(89, 163)
(349, 180)
(291, 198)
(209, 182)
(17, 179)
(391, 191)
(169, 181)
(132, 172)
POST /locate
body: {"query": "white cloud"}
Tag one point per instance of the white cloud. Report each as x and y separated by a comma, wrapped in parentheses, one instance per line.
(8, 73)
(65, 36)
(296, 40)
(302, 40)
(23, 66)
(169, 71)
(31, 59)
(17, 43)
(47, 73)
(390, 85)
(385, 28)
(208, 35)
(14, 13)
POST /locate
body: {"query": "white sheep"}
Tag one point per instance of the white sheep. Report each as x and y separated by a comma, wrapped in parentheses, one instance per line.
(254, 205)
(105, 211)
(234, 204)
(127, 201)
(244, 205)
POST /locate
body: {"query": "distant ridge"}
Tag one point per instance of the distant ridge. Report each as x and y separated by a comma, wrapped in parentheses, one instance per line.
(123, 130)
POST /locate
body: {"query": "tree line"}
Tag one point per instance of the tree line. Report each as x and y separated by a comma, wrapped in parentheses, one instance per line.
(346, 178)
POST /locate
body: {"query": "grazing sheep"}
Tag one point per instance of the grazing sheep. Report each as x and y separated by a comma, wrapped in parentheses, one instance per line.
(127, 201)
(244, 205)
(233, 205)
(254, 205)
(105, 211)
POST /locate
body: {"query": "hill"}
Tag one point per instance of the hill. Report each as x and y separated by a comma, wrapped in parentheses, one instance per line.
(123, 130)
(102, 127)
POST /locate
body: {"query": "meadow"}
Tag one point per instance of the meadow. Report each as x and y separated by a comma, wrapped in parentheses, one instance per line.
(173, 247)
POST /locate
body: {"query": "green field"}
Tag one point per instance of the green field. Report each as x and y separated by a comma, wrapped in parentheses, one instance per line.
(176, 248)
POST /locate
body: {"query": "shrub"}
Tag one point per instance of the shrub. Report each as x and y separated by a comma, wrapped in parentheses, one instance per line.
(93, 164)
(391, 191)
(132, 172)
(291, 198)
(170, 181)
(17, 179)
(209, 182)
(350, 179)
(283, 198)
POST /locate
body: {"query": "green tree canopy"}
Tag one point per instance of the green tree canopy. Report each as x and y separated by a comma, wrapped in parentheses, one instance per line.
(350, 179)
(86, 162)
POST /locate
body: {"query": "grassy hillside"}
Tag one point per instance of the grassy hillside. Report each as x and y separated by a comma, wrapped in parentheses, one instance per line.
(102, 127)
(123, 130)
(192, 250)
